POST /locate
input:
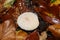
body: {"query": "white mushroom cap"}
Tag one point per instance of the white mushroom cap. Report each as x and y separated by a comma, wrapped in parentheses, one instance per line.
(28, 21)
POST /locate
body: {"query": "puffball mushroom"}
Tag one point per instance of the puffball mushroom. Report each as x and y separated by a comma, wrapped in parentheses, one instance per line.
(28, 21)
